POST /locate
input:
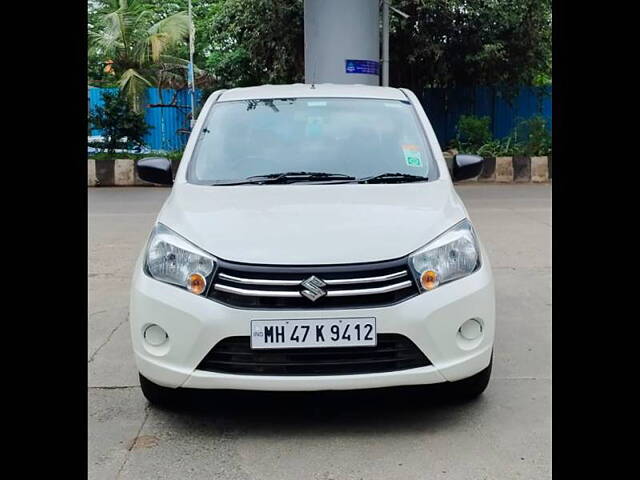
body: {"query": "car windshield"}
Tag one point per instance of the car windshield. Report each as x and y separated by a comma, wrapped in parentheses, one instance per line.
(344, 137)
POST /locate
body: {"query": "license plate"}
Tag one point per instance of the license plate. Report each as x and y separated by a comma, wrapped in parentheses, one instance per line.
(309, 333)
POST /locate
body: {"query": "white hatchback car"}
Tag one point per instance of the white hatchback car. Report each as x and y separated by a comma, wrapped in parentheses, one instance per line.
(312, 240)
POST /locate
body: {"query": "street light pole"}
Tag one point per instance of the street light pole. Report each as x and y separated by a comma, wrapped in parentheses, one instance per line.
(385, 43)
(385, 38)
(190, 72)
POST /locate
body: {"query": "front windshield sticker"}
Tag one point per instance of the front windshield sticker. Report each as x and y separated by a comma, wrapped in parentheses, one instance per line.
(412, 155)
(317, 104)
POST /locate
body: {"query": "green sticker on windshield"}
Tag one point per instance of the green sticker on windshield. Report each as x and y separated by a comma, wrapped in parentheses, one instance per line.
(412, 155)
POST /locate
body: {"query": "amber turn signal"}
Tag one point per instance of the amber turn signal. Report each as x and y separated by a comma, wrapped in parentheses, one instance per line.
(196, 283)
(429, 279)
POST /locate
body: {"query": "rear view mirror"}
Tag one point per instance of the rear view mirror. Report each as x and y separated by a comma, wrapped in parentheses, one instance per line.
(466, 166)
(155, 170)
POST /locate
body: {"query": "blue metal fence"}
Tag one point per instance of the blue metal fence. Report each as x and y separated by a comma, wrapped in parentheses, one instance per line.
(443, 106)
(166, 122)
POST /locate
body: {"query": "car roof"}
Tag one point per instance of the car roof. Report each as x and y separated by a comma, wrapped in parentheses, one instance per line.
(302, 90)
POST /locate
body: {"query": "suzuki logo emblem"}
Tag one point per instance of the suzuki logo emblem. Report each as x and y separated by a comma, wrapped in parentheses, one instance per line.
(313, 288)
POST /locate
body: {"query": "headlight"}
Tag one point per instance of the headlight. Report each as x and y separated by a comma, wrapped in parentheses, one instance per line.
(454, 254)
(172, 259)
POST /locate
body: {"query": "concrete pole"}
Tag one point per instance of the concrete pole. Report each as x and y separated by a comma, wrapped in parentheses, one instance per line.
(342, 41)
(385, 43)
(190, 80)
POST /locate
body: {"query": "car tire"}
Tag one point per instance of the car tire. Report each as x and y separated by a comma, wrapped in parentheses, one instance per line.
(471, 387)
(159, 395)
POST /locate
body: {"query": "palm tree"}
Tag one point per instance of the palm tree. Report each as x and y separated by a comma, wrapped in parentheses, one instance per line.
(127, 35)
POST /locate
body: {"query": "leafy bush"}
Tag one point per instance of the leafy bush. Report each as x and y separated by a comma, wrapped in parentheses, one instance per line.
(494, 148)
(530, 137)
(174, 155)
(472, 133)
(504, 147)
(533, 136)
(106, 145)
(116, 120)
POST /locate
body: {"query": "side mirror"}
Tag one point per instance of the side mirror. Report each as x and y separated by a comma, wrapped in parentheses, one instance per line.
(155, 170)
(466, 166)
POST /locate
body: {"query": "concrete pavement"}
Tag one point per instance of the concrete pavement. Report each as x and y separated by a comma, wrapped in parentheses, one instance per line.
(506, 434)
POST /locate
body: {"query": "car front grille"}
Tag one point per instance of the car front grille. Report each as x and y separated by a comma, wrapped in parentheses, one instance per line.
(337, 286)
(393, 352)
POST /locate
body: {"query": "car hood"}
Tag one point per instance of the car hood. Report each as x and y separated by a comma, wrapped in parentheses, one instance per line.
(305, 224)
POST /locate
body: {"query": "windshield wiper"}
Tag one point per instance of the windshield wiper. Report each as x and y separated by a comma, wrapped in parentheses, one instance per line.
(291, 177)
(395, 177)
(287, 177)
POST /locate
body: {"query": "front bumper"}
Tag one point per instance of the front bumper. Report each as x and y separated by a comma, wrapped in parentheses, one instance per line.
(195, 324)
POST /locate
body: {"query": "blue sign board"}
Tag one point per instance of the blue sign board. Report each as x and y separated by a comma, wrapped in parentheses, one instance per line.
(368, 67)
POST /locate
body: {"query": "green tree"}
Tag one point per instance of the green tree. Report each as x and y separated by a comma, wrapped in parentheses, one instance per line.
(203, 13)
(445, 43)
(139, 44)
(256, 41)
(117, 120)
